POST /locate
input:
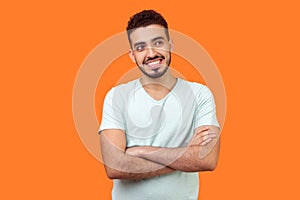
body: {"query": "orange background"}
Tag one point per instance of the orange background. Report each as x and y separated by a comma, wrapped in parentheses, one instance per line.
(255, 45)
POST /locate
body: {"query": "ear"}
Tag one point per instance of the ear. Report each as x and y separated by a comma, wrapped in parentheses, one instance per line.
(171, 44)
(131, 55)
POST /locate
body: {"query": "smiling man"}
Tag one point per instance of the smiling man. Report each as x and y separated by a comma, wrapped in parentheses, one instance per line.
(152, 57)
(159, 131)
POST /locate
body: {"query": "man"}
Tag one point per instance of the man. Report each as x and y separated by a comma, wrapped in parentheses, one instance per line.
(157, 132)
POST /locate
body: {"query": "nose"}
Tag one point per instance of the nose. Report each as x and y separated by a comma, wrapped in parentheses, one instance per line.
(151, 51)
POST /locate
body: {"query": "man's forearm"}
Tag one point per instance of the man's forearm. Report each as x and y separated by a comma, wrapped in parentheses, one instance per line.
(189, 159)
(119, 165)
(130, 167)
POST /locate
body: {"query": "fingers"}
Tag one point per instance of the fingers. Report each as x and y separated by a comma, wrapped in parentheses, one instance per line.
(204, 128)
(203, 138)
(206, 140)
(205, 133)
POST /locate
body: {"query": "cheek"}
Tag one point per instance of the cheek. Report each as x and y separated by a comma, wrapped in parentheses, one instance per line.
(166, 55)
(139, 58)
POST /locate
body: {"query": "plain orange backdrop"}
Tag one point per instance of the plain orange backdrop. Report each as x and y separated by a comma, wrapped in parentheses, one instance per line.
(255, 45)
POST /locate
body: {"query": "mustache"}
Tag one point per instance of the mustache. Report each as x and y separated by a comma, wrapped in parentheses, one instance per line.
(153, 58)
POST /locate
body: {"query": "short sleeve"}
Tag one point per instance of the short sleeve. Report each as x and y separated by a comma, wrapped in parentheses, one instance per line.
(205, 108)
(112, 115)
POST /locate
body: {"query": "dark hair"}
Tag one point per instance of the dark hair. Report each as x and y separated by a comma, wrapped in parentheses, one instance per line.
(146, 18)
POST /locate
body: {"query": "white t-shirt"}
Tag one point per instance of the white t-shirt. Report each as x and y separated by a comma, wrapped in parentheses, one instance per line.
(169, 122)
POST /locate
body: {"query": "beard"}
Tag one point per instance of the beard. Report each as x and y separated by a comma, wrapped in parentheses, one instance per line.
(156, 74)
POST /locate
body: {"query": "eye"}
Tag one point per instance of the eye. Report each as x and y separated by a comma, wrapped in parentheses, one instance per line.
(158, 43)
(140, 47)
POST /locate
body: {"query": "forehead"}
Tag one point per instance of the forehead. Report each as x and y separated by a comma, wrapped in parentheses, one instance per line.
(146, 34)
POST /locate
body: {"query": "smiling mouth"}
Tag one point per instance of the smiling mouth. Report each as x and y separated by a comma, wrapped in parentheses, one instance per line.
(154, 63)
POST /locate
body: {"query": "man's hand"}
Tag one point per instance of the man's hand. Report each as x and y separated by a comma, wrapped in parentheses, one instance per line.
(203, 136)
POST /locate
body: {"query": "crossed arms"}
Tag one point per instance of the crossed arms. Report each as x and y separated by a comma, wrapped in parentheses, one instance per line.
(146, 161)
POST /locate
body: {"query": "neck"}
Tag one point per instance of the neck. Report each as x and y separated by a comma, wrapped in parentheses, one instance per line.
(167, 81)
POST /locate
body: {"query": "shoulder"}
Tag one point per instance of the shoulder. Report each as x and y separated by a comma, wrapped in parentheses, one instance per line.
(197, 88)
(123, 89)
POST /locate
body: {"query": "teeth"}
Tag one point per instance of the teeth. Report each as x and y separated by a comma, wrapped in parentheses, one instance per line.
(154, 63)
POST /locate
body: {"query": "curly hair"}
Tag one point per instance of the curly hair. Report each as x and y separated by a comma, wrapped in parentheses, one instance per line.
(146, 18)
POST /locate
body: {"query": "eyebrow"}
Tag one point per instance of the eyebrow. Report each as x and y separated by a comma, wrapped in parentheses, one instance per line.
(139, 43)
(157, 38)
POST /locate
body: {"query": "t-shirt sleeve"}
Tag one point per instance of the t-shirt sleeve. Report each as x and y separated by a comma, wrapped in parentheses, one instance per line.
(112, 115)
(205, 108)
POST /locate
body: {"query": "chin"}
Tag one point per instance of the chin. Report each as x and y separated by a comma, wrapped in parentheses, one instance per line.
(159, 72)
